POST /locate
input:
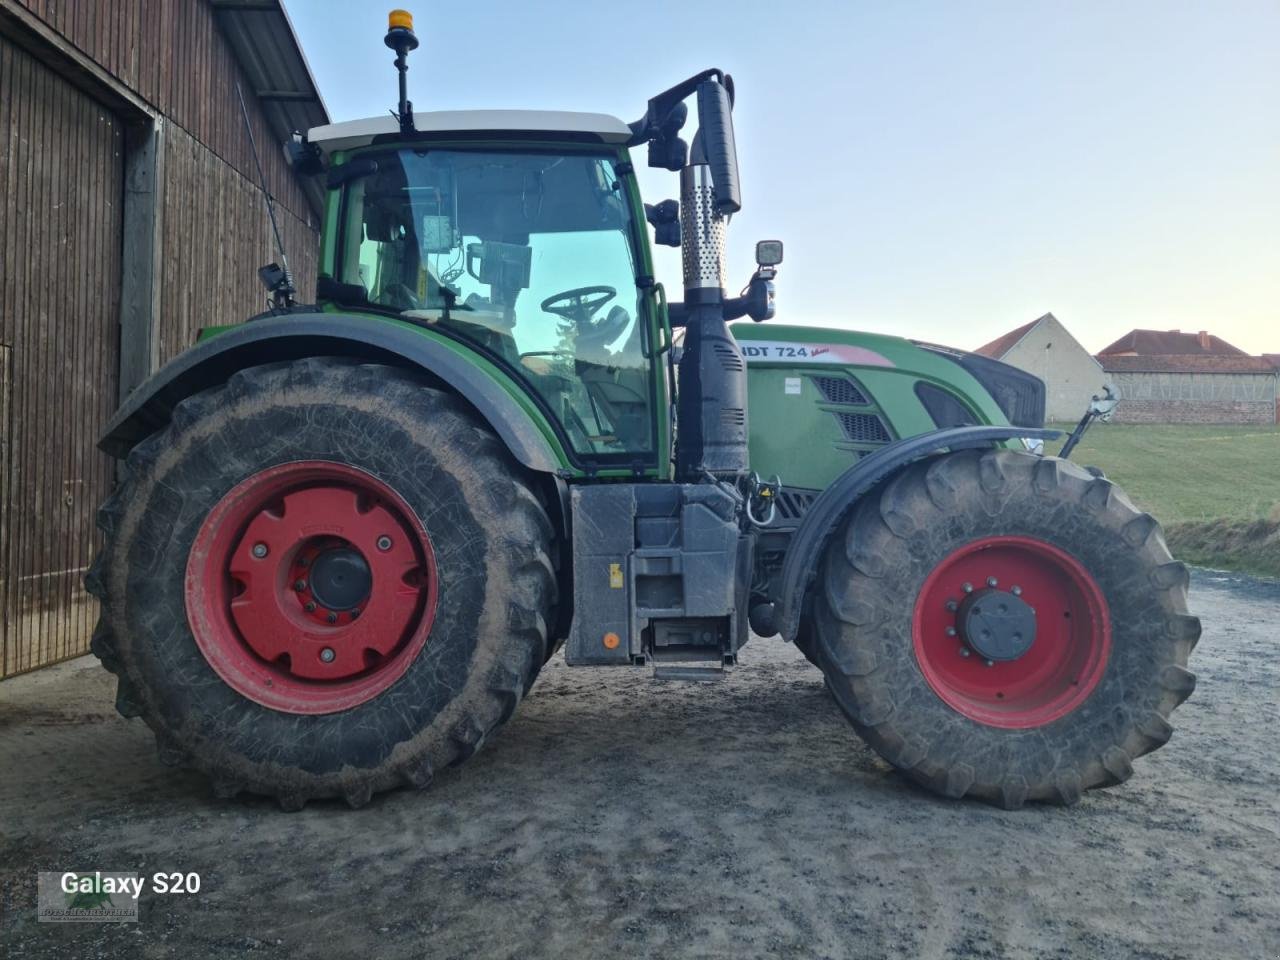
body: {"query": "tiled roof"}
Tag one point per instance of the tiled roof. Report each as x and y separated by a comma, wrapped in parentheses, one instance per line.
(998, 347)
(1181, 363)
(1168, 343)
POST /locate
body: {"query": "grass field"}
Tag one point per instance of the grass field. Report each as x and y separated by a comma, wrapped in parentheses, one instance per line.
(1216, 489)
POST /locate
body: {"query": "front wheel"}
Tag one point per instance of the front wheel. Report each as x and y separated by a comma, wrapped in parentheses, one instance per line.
(1006, 627)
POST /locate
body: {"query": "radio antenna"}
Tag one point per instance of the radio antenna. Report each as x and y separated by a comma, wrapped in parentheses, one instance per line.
(277, 279)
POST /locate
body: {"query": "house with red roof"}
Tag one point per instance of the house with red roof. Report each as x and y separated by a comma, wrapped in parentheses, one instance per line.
(1170, 343)
(1167, 376)
(1072, 377)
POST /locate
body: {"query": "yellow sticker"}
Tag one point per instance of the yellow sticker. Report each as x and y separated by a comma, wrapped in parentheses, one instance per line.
(615, 576)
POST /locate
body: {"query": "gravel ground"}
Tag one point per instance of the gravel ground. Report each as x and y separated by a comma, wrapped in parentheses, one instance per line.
(615, 815)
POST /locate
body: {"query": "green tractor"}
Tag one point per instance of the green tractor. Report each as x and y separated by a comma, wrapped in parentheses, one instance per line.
(348, 535)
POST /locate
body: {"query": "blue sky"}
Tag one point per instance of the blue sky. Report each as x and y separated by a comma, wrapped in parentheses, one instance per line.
(946, 171)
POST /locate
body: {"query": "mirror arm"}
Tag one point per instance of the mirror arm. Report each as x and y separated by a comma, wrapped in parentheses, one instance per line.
(757, 303)
(660, 107)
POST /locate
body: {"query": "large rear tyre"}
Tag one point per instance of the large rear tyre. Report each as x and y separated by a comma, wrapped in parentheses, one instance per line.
(322, 579)
(1005, 627)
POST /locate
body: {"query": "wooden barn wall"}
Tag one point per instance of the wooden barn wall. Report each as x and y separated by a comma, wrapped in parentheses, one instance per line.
(61, 183)
(170, 53)
(216, 236)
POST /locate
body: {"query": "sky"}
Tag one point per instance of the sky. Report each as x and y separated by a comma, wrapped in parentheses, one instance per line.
(945, 171)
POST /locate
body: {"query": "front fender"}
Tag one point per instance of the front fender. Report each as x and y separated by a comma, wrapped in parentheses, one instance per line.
(804, 553)
(295, 336)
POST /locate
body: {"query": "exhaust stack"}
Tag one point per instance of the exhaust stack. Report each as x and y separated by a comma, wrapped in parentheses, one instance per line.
(711, 406)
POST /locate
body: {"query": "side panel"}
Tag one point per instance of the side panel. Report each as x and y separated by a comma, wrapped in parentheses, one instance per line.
(821, 399)
(660, 572)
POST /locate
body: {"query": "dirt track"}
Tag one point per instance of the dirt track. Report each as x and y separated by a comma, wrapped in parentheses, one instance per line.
(617, 816)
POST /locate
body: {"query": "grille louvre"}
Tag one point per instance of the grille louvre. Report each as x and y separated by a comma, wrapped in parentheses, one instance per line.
(863, 427)
(730, 359)
(840, 390)
(793, 503)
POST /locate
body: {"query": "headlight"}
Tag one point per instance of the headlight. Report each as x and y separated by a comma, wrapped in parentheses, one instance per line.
(1033, 446)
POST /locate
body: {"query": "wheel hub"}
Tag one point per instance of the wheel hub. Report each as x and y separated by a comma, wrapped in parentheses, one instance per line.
(998, 625)
(1011, 631)
(341, 579)
(311, 587)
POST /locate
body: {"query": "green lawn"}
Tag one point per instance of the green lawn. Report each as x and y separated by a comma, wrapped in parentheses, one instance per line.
(1215, 489)
(1181, 473)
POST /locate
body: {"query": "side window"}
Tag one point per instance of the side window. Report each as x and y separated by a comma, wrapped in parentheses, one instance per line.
(530, 256)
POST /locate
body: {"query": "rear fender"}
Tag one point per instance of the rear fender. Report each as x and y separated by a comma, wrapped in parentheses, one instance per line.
(296, 336)
(804, 553)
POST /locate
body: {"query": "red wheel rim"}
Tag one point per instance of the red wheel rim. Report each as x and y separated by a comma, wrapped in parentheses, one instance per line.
(1064, 663)
(311, 587)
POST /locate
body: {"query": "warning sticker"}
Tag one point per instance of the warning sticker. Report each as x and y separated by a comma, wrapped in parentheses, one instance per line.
(791, 386)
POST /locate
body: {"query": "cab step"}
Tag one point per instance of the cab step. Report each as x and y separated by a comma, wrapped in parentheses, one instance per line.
(689, 674)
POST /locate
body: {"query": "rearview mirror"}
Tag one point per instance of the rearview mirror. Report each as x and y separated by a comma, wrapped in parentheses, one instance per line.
(768, 253)
(715, 130)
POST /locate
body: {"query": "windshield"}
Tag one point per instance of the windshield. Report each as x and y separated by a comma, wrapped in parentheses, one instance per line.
(529, 255)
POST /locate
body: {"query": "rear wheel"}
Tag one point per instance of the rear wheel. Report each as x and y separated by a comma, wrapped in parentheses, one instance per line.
(322, 579)
(1005, 626)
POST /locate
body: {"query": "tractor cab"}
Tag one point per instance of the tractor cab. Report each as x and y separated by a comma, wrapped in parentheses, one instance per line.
(531, 254)
(521, 235)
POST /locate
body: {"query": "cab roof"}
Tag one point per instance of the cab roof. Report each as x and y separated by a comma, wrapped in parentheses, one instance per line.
(359, 133)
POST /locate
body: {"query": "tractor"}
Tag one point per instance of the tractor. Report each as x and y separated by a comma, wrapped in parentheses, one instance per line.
(347, 535)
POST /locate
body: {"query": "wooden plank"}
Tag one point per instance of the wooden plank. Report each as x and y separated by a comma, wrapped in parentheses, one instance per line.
(63, 229)
(6, 392)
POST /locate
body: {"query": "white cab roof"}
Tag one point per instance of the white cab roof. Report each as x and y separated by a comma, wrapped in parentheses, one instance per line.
(359, 133)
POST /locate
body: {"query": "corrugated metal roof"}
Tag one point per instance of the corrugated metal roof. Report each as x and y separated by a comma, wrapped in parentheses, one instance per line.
(267, 49)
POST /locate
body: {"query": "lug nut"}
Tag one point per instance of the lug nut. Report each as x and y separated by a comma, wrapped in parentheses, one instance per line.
(332, 617)
(384, 543)
(967, 588)
(989, 663)
(992, 581)
(310, 606)
(299, 585)
(327, 655)
(1016, 591)
(951, 631)
(964, 651)
(355, 613)
(952, 606)
(259, 550)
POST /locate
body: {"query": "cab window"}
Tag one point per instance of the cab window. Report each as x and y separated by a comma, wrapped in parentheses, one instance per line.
(529, 255)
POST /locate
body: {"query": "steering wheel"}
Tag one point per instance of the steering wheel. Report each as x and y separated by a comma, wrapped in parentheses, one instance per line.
(579, 304)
